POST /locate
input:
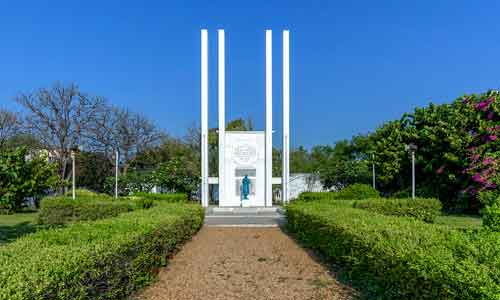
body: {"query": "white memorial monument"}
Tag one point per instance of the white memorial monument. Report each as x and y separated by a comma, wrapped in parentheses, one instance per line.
(244, 154)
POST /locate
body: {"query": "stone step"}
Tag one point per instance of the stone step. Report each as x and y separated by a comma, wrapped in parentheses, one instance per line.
(243, 210)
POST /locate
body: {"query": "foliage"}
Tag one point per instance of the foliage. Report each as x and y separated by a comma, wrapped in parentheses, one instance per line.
(176, 176)
(420, 208)
(81, 193)
(341, 165)
(457, 155)
(92, 169)
(104, 259)
(170, 197)
(491, 217)
(490, 197)
(130, 183)
(23, 175)
(400, 258)
(356, 191)
(62, 210)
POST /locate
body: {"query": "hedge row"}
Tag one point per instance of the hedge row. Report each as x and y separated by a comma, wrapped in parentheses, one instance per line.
(104, 259)
(171, 198)
(424, 209)
(62, 210)
(401, 258)
(352, 192)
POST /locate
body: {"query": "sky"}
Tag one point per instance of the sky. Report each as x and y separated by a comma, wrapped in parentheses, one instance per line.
(354, 64)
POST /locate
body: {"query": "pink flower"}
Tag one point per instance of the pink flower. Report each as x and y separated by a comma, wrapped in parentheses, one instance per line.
(492, 137)
(440, 170)
(487, 161)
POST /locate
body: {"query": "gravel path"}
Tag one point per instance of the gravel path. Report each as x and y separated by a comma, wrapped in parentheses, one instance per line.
(244, 263)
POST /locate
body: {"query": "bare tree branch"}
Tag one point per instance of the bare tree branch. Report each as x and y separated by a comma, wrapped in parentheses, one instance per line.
(59, 116)
(10, 125)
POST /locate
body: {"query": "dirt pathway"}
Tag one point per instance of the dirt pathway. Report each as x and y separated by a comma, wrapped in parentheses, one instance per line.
(244, 263)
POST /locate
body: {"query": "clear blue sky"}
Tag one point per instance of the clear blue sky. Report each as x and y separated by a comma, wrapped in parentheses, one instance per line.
(355, 64)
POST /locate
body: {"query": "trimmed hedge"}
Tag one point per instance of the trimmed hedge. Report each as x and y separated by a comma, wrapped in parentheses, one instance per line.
(170, 198)
(400, 258)
(62, 210)
(424, 209)
(104, 259)
(352, 192)
(491, 217)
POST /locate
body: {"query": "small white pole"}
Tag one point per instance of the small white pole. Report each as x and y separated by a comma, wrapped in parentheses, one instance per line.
(373, 170)
(73, 174)
(413, 174)
(117, 159)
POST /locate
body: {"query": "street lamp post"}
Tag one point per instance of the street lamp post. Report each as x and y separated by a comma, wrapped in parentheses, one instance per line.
(412, 148)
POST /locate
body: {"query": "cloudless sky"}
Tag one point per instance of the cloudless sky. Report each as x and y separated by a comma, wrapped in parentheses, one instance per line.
(355, 64)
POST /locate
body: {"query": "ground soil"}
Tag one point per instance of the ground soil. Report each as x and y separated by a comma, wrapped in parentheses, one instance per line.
(244, 263)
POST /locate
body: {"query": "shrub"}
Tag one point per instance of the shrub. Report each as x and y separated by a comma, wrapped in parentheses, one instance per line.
(62, 210)
(171, 198)
(491, 217)
(81, 193)
(488, 198)
(105, 259)
(23, 175)
(424, 209)
(400, 258)
(352, 192)
(357, 191)
(316, 196)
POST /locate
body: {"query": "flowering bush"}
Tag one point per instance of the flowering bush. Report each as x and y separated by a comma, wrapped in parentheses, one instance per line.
(484, 151)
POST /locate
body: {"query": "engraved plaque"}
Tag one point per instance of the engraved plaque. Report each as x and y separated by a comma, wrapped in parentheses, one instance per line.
(244, 154)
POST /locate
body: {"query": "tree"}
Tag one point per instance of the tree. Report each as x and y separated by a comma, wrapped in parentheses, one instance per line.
(92, 170)
(177, 176)
(119, 129)
(59, 117)
(10, 126)
(170, 148)
(24, 175)
(340, 165)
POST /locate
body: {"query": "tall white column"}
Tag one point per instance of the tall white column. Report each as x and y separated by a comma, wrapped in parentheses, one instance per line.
(204, 118)
(269, 117)
(285, 177)
(222, 112)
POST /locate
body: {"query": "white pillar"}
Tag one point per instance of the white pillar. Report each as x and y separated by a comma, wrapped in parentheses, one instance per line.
(204, 118)
(222, 112)
(285, 177)
(269, 117)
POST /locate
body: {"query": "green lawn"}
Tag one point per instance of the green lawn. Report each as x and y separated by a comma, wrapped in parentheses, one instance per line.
(460, 221)
(16, 225)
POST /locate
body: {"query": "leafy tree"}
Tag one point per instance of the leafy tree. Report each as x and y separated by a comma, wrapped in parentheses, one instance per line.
(24, 175)
(177, 176)
(92, 169)
(339, 166)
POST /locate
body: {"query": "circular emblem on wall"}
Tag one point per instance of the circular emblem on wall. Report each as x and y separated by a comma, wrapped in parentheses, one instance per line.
(244, 154)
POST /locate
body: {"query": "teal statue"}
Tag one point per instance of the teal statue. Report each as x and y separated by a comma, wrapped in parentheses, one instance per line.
(245, 187)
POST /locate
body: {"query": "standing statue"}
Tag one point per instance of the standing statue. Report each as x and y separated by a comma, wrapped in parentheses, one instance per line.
(245, 187)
